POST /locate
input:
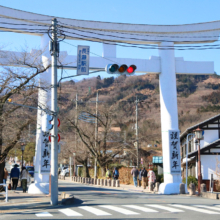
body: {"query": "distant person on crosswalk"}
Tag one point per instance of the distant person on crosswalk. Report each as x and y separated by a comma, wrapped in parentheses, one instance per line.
(115, 173)
(144, 178)
(135, 173)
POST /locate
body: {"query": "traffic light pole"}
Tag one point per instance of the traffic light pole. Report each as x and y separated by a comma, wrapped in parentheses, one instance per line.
(54, 131)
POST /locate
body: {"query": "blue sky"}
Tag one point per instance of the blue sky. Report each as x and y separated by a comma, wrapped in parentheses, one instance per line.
(124, 11)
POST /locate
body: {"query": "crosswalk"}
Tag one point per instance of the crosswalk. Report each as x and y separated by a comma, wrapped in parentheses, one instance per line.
(133, 210)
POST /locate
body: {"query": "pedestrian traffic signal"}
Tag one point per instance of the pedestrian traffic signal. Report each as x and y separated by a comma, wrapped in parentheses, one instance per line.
(46, 122)
(123, 69)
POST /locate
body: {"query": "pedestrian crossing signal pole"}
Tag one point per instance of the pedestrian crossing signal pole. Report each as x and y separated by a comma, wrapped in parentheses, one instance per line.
(54, 131)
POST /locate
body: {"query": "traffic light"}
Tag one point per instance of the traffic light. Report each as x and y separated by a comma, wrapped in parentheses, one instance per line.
(123, 69)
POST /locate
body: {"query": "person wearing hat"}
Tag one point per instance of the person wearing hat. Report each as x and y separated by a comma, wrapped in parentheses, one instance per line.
(14, 175)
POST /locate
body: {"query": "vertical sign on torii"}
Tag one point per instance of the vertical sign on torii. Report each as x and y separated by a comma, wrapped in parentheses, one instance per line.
(166, 65)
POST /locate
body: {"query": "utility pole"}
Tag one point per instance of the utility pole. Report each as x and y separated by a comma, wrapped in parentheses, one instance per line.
(137, 144)
(76, 121)
(96, 133)
(54, 131)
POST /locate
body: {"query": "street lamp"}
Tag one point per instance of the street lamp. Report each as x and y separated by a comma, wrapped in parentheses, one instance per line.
(187, 147)
(198, 136)
(22, 150)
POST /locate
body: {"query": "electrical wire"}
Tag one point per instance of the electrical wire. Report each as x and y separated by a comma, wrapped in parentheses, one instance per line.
(117, 43)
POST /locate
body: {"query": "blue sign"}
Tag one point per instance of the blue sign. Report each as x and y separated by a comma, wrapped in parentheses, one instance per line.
(83, 60)
(157, 159)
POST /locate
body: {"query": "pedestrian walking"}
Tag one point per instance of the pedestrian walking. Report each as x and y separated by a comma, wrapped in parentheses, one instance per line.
(5, 175)
(14, 175)
(144, 178)
(151, 177)
(115, 173)
(134, 173)
(139, 178)
(24, 179)
(108, 174)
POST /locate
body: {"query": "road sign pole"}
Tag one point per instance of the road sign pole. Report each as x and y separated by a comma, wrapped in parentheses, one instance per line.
(54, 136)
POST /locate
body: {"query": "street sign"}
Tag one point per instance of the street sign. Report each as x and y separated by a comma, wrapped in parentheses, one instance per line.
(135, 144)
(83, 60)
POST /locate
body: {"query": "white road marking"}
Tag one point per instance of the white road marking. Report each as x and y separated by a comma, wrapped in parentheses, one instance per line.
(121, 210)
(144, 209)
(165, 208)
(209, 207)
(195, 209)
(70, 212)
(44, 214)
(94, 210)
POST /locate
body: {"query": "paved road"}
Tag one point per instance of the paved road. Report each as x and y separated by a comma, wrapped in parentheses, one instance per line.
(100, 203)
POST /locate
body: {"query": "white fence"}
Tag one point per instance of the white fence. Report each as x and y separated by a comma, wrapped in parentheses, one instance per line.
(6, 191)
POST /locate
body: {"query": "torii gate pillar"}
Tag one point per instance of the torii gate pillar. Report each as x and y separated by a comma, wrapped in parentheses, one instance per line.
(169, 120)
(41, 181)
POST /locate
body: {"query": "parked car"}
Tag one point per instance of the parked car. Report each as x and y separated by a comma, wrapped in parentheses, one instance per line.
(30, 170)
(65, 171)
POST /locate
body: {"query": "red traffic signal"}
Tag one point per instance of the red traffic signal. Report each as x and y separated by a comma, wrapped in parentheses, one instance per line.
(123, 69)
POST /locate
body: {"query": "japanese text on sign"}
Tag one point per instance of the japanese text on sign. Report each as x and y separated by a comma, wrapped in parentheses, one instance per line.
(45, 154)
(83, 60)
(174, 151)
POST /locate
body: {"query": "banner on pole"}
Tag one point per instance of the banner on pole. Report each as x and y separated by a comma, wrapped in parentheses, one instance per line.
(174, 142)
(45, 154)
(83, 60)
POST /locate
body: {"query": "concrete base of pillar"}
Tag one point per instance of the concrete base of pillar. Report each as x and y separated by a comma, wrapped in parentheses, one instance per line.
(169, 188)
(38, 188)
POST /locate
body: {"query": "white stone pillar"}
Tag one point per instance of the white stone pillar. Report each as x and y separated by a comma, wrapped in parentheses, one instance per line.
(169, 116)
(41, 182)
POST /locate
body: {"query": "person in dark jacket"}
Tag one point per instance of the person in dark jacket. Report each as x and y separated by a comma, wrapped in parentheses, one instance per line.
(14, 175)
(144, 178)
(115, 173)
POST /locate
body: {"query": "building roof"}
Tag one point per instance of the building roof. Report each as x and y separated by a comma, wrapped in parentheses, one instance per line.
(214, 144)
(203, 125)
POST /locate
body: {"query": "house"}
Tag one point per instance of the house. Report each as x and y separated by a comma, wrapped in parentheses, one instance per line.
(209, 150)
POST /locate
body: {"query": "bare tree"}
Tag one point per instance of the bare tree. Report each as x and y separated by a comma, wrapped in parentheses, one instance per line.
(108, 143)
(19, 83)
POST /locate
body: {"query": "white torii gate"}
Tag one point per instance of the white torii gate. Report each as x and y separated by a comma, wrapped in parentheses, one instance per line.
(166, 65)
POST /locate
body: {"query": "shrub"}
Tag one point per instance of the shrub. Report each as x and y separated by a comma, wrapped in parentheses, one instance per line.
(159, 177)
(190, 179)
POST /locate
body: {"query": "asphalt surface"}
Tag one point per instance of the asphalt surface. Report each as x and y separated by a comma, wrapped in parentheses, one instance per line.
(99, 203)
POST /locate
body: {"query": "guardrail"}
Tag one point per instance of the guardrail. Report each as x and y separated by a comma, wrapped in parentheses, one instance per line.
(6, 191)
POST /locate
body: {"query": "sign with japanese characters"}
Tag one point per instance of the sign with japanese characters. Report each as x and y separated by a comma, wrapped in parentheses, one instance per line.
(83, 60)
(174, 142)
(45, 154)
